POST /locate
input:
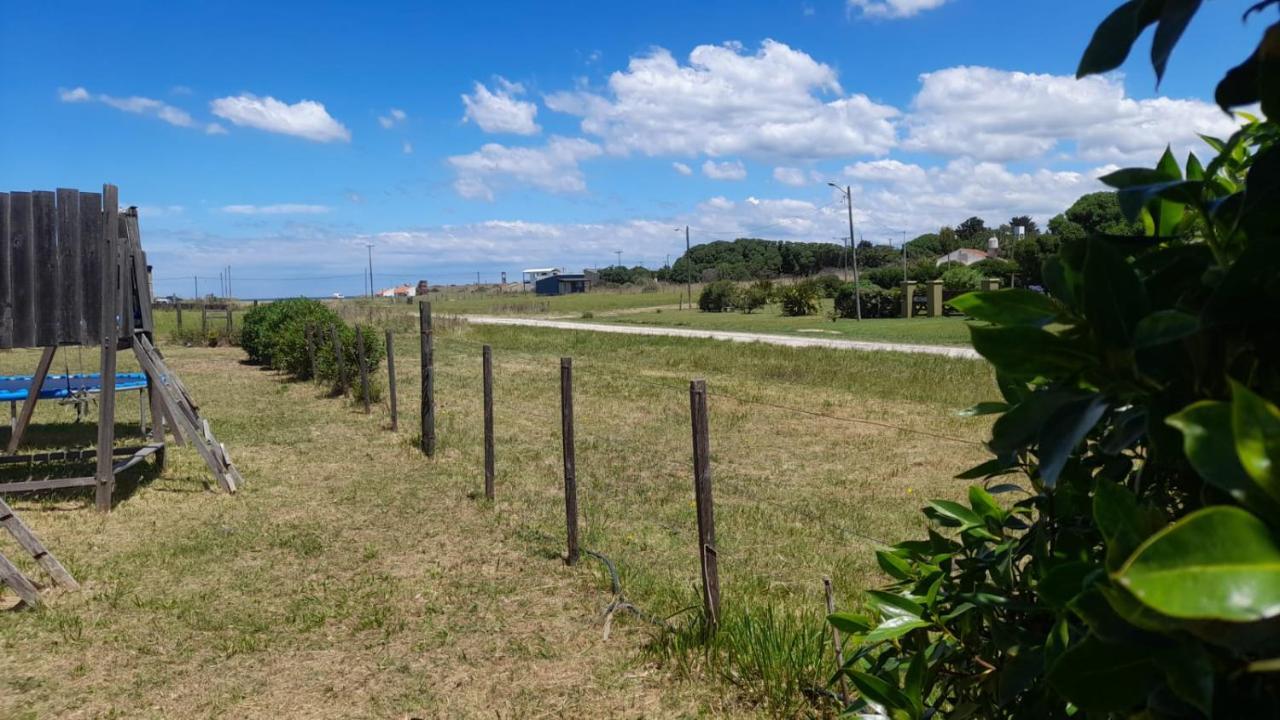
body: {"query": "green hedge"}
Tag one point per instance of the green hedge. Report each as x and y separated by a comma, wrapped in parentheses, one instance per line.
(275, 335)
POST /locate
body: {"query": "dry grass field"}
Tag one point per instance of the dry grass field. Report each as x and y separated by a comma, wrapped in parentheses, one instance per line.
(353, 577)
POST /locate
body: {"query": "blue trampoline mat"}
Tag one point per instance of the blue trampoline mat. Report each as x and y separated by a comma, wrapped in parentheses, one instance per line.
(15, 387)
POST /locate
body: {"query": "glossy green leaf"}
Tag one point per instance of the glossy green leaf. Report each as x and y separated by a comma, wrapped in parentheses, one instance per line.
(1123, 522)
(1195, 171)
(1133, 177)
(1219, 563)
(893, 565)
(1174, 17)
(1115, 36)
(879, 691)
(1164, 326)
(1113, 298)
(889, 604)
(955, 512)
(1209, 443)
(1256, 426)
(1014, 306)
(1028, 351)
(894, 628)
(913, 683)
(1063, 432)
(985, 505)
(850, 623)
(1103, 677)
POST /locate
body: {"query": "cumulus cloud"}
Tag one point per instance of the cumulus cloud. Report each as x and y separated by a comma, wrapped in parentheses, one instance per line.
(141, 106)
(1000, 115)
(896, 195)
(792, 176)
(500, 110)
(279, 209)
(306, 119)
(394, 117)
(893, 8)
(552, 167)
(724, 170)
(777, 102)
(682, 168)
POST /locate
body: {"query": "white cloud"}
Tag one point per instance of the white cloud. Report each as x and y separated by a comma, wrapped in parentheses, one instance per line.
(280, 209)
(158, 211)
(777, 103)
(999, 115)
(682, 168)
(724, 170)
(552, 167)
(794, 177)
(407, 148)
(895, 195)
(500, 111)
(393, 117)
(306, 119)
(893, 8)
(139, 106)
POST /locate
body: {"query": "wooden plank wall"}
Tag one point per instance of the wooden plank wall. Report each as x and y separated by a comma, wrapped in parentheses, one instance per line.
(51, 254)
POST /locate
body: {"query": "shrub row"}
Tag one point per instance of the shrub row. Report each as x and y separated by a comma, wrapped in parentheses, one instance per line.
(275, 335)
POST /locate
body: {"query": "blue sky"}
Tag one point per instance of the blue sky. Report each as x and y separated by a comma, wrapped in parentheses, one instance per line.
(280, 138)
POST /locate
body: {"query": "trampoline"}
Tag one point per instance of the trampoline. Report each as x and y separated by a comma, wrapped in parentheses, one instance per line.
(15, 388)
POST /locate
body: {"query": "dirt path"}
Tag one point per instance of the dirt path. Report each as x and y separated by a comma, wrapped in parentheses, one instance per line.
(787, 340)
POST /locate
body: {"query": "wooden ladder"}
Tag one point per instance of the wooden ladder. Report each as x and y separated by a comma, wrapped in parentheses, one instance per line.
(13, 577)
(183, 415)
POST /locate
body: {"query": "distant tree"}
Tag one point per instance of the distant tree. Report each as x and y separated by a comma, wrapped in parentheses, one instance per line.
(947, 240)
(1094, 213)
(1026, 222)
(971, 230)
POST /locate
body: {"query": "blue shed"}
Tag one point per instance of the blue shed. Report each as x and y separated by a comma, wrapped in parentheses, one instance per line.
(562, 285)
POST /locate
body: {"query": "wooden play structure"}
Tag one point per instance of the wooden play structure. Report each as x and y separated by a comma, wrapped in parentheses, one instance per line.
(73, 273)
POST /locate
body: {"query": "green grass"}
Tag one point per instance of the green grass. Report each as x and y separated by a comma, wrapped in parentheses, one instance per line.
(929, 331)
(354, 578)
(526, 303)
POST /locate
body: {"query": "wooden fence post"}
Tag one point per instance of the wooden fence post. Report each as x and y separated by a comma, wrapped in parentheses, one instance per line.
(178, 306)
(835, 641)
(204, 319)
(702, 498)
(231, 323)
(364, 368)
(109, 327)
(487, 362)
(428, 410)
(391, 383)
(311, 351)
(337, 357)
(570, 463)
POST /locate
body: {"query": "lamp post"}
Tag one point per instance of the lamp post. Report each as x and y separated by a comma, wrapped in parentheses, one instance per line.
(857, 289)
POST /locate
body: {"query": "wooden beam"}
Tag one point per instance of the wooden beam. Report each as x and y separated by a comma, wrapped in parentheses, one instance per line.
(14, 578)
(109, 331)
(33, 396)
(49, 484)
(32, 544)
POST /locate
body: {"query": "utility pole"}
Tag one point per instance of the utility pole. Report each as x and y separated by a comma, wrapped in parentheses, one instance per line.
(369, 247)
(857, 290)
(904, 256)
(196, 279)
(619, 254)
(477, 278)
(688, 262)
(228, 281)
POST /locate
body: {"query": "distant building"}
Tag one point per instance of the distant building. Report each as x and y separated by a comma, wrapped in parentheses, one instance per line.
(964, 256)
(533, 275)
(560, 284)
(399, 291)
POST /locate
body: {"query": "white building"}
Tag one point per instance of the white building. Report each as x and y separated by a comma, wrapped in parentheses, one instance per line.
(964, 256)
(533, 275)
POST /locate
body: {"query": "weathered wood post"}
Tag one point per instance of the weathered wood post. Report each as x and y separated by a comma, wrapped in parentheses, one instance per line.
(836, 643)
(204, 319)
(391, 383)
(364, 368)
(311, 351)
(428, 409)
(337, 359)
(570, 462)
(110, 330)
(703, 502)
(487, 363)
(157, 421)
(178, 306)
(231, 323)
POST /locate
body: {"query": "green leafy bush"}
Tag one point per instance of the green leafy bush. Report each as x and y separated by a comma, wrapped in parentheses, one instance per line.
(1119, 559)
(961, 278)
(753, 298)
(799, 299)
(327, 357)
(876, 302)
(718, 296)
(827, 285)
(275, 334)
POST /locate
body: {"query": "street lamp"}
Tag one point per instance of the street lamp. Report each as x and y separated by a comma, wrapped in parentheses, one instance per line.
(857, 288)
